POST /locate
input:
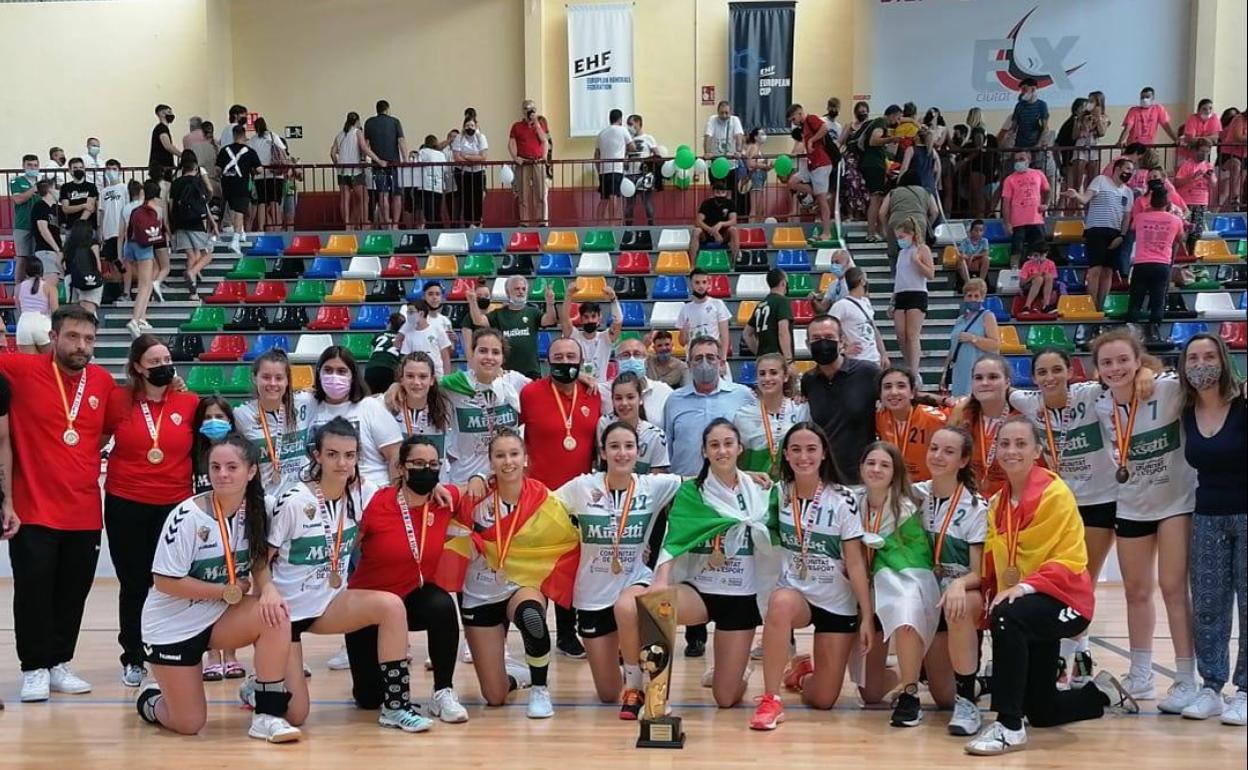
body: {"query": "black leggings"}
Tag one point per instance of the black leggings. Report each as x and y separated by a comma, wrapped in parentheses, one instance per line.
(430, 609)
(1026, 634)
(1148, 281)
(133, 532)
(472, 196)
(431, 207)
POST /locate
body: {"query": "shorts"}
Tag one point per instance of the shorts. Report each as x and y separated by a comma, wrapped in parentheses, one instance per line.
(297, 627)
(94, 296)
(910, 300)
(731, 613)
(818, 179)
(875, 177)
(350, 180)
(136, 253)
(609, 184)
(831, 623)
(704, 238)
(484, 616)
(385, 180)
(191, 240)
(51, 262)
(591, 624)
(1100, 515)
(269, 190)
(23, 242)
(1129, 528)
(33, 329)
(236, 194)
(188, 652)
(1024, 236)
(1096, 244)
(289, 203)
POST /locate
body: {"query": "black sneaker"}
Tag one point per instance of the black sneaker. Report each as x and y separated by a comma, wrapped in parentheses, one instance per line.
(1082, 669)
(906, 711)
(695, 649)
(1062, 681)
(570, 646)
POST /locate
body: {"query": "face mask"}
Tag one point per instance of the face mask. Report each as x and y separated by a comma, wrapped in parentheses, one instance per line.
(336, 385)
(1204, 376)
(1124, 176)
(93, 151)
(633, 131)
(215, 428)
(704, 373)
(1031, 97)
(169, 118)
(422, 481)
(78, 174)
(589, 327)
(663, 357)
(470, 131)
(860, 116)
(32, 172)
(972, 306)
(565, 373)
(112, 176)
(838, 269)
(160, 376)
(1146, 101)
(515, 303)
(699, 294)
(636, 366)
(1021, 165)
(483, 303)
(762, 139)
(825, 351)
(903, 243)
(1156, 184)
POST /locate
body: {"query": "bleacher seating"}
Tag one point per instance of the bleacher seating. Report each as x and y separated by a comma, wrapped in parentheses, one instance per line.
(376, 245)
(486, 243)
(248, 269)
(413, 243)
(450, 243)
(565, 241)
(301, 245)
(637, 240)
(324, 268)
(594, 263)
(525, 241)
(363, 268)
(340, 245)
(673, 239)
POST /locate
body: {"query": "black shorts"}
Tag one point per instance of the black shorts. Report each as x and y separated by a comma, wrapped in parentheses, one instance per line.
(350, 180)
(910, 300)
(237, 196)
(875, 177)
(485, 616)
(704, 238)
(591, 624)
(1096, 245)
(830, 623)
(110, 253)
(297, 627)
(731, 613)
(1100, 516)
(188, 652)
(268, 190)
(1128, 528)
(609, 184)
(385, 180)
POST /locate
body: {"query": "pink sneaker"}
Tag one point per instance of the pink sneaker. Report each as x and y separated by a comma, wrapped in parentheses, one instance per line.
(769, 714)
(797, 669)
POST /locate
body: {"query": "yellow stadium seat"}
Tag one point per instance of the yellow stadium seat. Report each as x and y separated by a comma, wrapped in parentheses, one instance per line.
(803, 366)
(950, 259)
(440, 266)
(340, 246)
(825, 283)
(562, 240)
(678, 346)
(745, 310)
(301, 377)
(346, 292)
(589, 287)
(788, 238)
(673, 263)
(1078, 307)
(1214, 250)
(1068, 230)
(1010, 343)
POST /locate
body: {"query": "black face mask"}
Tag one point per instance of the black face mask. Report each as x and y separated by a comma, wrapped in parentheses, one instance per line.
(565, 373)
(589, 327)
(861, 116)
(825, 351)
(423, 480)
(470, 131)
(1125, 176)
(78, 174)
(169, 118)
(1156, 184)
(160, 376)
(699, 294)
(483, 303)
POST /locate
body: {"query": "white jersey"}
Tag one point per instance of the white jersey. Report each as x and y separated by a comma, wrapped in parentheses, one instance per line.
(651, 444)
(416, 422)
(290, 443)
(749, 421)
(968, 527)
(597, 512)
(737, 577)
(190, 546)
(701, 319)
(376, 428)
(482, 584)
(475, 417)
(1085, 462)
(304, 535)
(827, 520)
(595, 352)
(1161, 484)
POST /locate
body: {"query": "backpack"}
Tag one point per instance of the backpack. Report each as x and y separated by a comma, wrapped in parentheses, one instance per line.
(279, 158)
(84, 274)
(833, 149)
(863, 139)
(145, 227)
(191, 206)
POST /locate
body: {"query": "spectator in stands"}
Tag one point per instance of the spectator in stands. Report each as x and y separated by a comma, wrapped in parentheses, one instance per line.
(79, 197)
(914, 269)
(664, 366)
(519, 323)
(854, 195)
(36, 301)
(691, 408)
(705, 316)
(831, 117)
(134, 194)
(470, 150)
(238, 164)
(1231, 157)
(595, 341)
(1196, 181)
(873, 165)
(754, 179)
(1201, 124)
(715, 225)
(45, 225)
(194, 133)
(1142, 121)
(837, 289)
(1108, 200)
(642, 171)
(145, 233)
(432, 294)
(1067, 132)
(93, 162)
(1037, 279)
(192, 222)
(56, 160)
(1099, 111)
(973, 253)
(609, 151)
(161, 154)
(384, 134)
(908, 202)
(724, 134)
(974, 334)
(83, 270)
(980, 163)
(770, 328)
(862, 338)
(113, 199)
(271, 154)
(431, 176)
(1084, 161)
(349, 150)
(205, 151)
(528, 142)
(1024, 196)
(481, 297)
(1157, 233)
(1030, 117)
(419, 335)
(22, 195)
(817, 177)
(842, 392)
(631, 358)
(379, 370)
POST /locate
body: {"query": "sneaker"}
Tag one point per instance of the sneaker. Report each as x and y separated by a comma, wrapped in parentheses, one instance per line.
(540, 706)
(708, 676)
(145, 326)
(339, 662)
(799, 667)
(756, 653)
(1063, 679)
(966, 719)
(519, 672)
(1178, 697)
(465, 654)
(408, 720)
(133, 327)
(996, 739)
(1207, 704)
(630, 704)
(1121, 699)
(267, 727)
(247, 692)
(63, 679)
(695, 649)
(307, 672)
(1236, 711)
(906, 711)
(143, 704)
(133, 676)
(428, 664)
(156, 291)
(769, 714)
(35, 685)
(1140, 688)
(571, 647)
(1082, 673)
(446, 706)
(235, 243)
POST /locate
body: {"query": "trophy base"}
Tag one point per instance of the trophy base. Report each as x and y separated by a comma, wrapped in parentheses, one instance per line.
(662, 733)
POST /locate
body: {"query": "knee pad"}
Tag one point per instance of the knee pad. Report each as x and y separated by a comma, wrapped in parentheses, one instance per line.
(530, 618)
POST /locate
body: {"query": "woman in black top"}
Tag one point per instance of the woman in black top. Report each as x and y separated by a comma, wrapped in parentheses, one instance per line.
(1215, 424)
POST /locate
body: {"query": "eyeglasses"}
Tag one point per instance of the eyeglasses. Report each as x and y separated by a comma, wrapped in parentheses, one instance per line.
(423, 465)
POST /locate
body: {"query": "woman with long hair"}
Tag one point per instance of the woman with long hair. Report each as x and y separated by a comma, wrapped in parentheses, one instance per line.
(37, 299)
(907, 418)
(981, 414)
(349, 151)
(823, 579)
(764, 421)
(338, 391)
(628, 406)
(422, 410)
(914, 269)
(267, 146)
(276, 420)
(754, 180)
(212, 588)
(483, 399)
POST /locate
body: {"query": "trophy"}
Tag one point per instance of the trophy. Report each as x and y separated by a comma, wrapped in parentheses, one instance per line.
(656, 626)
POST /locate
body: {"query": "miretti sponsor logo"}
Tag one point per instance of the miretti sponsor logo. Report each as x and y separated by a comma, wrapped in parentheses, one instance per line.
(1083, 440)
(522, 331)
(604, 532)
(1155, 443)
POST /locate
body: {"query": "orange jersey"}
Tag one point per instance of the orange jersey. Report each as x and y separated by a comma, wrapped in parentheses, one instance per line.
(917, 430)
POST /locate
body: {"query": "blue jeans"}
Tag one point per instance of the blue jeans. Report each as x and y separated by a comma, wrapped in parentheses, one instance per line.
(1219, 575)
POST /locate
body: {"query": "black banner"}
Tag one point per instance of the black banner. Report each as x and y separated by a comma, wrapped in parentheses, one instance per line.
(760, 64)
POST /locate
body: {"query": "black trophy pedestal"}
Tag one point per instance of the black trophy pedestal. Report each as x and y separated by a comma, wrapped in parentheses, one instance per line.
(662, 733)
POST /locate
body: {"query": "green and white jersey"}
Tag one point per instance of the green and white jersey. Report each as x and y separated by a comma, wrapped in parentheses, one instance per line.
(827, 520)
(651, 444)
(290, 442)
(1086, 465)
(749, 420)
(968, 527)
(190, 546)
(597, 512)
(416, 423)
(474, 414)
(304, 536)
(1161, 484)
(737, 576)
(375, 426)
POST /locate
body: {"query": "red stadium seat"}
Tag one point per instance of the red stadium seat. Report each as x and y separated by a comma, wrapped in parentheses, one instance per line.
(228, 293)
(803, 311)
(267, 292)
(304, 246)
(633, 263)
(1031, 315)
(5, 298)
(753, 238)
(461, 289)
(720, 288)
(330, 318)
(526, 242)
(1077, 372)
(225, 347)
(8, 249)
(401, 267)
(1235, 333)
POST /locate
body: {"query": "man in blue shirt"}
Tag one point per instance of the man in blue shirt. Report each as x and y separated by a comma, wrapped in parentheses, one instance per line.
(690, 409)
(1030, 117)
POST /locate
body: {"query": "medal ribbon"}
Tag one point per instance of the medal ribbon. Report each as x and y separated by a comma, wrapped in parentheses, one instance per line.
(565, 414)
(944, 527)
(624, 511)
(986, 439)
(71, 413)
(901, 438)
(504, 545)
(1012, 530)
(417, 548)
(771, 440)
(1123, 438)
(1048, 432)
(799, 527)
(227, 541)
(874, 522)
(274, 460)
(153, 428)
(331, 542)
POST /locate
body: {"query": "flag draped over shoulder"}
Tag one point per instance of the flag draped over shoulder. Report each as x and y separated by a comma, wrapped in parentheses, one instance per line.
(544, 552)
(458, 382)
(904, 587)
(755, 454)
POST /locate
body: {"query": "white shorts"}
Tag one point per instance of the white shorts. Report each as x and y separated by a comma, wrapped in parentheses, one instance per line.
(33, 329)
(818, 179)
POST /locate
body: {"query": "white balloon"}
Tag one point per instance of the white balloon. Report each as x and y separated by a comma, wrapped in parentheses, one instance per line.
(627, 188)
(662, 151)
(769, 221)
(699, 166)
(668, 169)
(507, 176)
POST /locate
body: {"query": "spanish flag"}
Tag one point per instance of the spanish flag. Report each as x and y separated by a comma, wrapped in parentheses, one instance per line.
(1051, 557)
(544, 551)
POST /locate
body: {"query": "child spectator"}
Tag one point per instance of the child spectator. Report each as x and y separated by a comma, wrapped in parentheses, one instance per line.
(973, 253)
(1196, 180)
(1037, 278)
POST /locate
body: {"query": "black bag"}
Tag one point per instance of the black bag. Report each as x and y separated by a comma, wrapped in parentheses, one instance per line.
(84, 272)
(191, 207)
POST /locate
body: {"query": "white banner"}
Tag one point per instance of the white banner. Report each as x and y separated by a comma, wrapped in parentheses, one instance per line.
(600, 65)
(956, 54)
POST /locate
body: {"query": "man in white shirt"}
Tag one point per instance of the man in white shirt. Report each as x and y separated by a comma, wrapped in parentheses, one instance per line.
(705, 316)
(433, 301)
(631, 356)
(724, 135)
(612, 145)
(858, 330)
(642, 175)
(589, 334)
(417, 334)
(113, 200)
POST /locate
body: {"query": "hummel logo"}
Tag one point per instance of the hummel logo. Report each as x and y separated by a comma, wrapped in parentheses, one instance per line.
(1067, 615)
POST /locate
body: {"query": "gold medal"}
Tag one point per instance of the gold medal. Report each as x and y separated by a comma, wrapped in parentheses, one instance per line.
(233, 593)
(939, 569)
(1122, 474)
(335, 579)
(569, 443)
(155, 456)
(1012, 575)
(70, 437)
(616, 566)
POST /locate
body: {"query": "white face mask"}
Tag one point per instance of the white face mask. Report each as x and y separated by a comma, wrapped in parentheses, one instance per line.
(762, 139)
(1146, 101)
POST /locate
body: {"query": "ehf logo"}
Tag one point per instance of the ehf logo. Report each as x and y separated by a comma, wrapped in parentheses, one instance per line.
(1000, 66)
(595, 64)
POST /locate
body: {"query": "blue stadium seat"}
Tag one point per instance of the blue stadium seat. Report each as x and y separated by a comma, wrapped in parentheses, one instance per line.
(1072, 280)
(995, 306)
(372, 318)
(671, 287)
(1022, 371)
(1077, 255)
(487, 243)
(416, 289)
(326, 268)
(555, 264)
(634, 315)
(748, 375)
(793, 260)
(263, 343)
(994, 231)
(267, 246)
(8, 270)
(1231, 226)
(1243, 301)
(1182, 331)
(543, 343)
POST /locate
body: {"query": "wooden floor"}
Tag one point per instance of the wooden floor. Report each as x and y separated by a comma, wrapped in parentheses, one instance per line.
(101, 729)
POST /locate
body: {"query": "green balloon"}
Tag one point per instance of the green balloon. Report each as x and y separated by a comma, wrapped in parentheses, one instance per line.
(784, 165)
(682, 181)
(684, 157)
(720, 168)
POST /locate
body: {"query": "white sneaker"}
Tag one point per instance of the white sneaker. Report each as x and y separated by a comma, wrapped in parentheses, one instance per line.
(156, 291)
(235, 242)
(757, 652)
(133, 327)
(63, 679)
(446, 706)
(1140, 688)
(267, 727)
(966, 719)
(339, 662)
(518, 671)
(1178, 697)
(1207, 704)
(540, 706)
(145, 326)
(1236, 711)
(465, 653)
(133, 676)
(995, 739)
(408, 720)
(1121, 700)
(708, 676)
(35, 685)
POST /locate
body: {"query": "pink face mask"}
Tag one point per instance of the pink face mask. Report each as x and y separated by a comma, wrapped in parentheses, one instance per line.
(336, 385)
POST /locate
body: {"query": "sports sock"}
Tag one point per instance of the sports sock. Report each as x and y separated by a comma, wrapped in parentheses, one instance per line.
(147, 705)
(632, 675)
(1141, 664)
(272, 698)
(1185, 670)
(530, 618)
(1081, 644)
(965, 684)
(395, 683)
(1067, 649)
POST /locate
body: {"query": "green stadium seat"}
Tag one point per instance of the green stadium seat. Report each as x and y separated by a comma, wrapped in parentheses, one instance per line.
(599, 240)
(800, 285)
(205, 380)
(999, 255)
(537, 289)
(715, 261)
(360, 345)
(1116, 306)
(205, 319)
(307, 292)
(1048, 336)
(248, 269)
(477, 265)
(238, 383)
(376, 245)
